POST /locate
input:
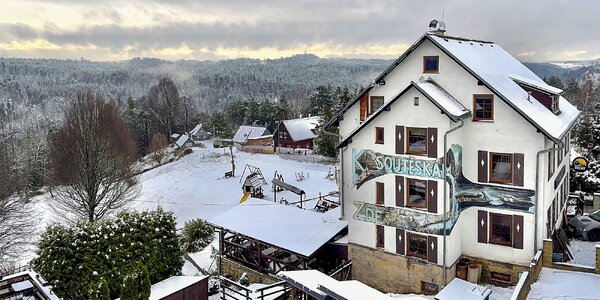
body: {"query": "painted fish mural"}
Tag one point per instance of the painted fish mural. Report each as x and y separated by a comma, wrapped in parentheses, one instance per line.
(463, 193)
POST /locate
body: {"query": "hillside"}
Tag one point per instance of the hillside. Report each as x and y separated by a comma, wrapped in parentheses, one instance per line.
(36, 90)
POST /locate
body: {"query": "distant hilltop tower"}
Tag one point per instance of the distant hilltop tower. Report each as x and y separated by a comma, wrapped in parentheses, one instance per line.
(437, 27)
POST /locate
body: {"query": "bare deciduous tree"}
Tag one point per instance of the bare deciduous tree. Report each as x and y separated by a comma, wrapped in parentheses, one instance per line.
(16, 217)
(164, 104)
(92, 155)
(157, 147)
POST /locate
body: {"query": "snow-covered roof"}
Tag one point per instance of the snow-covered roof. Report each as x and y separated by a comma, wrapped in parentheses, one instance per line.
(321, 286)
(497, 69)
(432, 91)
(196, 129)
(302, 129)
(288, 227)
(172, 285)
(244, 132)
(459, 289)
(182, 140)
(545, 87)
(254, 180)
(501, 73)
(442, 99)
(33, 280)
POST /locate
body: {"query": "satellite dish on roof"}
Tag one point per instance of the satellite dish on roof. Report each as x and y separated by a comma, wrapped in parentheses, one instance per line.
(437, 27)
(433, 24)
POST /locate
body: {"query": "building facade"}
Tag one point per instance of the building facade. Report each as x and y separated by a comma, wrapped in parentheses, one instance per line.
(295, 133)
(455, 151)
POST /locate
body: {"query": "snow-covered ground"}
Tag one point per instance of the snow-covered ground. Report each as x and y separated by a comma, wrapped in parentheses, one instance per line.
(565, 285)
(500, 293)
(584, 253)
(194, 187)
(203, 259)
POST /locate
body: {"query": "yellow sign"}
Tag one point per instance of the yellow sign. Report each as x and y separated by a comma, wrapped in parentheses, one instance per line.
(580, 164)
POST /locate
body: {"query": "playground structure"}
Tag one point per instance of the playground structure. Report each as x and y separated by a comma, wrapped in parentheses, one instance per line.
(324, 204)
(277, 176)
(300, 176)
(253, 170)
(253, 186)
(333, 174)
(245, 197)
(279, 184)
(253, 183)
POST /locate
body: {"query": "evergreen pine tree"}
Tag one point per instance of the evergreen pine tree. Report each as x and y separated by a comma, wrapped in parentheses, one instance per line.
(145, 284)
(130, 289)
(104, 290)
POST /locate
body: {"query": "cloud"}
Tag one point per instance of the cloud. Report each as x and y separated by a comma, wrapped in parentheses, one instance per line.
(533, 30)
(18, 31)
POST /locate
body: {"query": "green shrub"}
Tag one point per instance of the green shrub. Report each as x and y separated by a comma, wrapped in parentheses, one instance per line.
(99, 291)
(196, 235)
(71, 258)
(136, 284)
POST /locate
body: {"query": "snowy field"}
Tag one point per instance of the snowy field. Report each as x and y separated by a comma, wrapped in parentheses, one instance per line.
(194, 187)
(565, 285)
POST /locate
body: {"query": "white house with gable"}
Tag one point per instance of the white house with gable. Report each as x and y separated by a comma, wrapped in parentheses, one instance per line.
(456, 151)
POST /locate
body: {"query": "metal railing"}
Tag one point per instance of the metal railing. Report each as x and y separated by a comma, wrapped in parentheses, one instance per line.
(231, 290)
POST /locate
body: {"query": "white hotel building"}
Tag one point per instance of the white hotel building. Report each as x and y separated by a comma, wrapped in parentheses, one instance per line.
(505, 133)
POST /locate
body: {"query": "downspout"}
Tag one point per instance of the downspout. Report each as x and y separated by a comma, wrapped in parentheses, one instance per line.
(341, 186)
(537, 178)
(445, 199)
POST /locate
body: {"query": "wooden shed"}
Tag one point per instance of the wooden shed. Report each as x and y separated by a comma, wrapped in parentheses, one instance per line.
(180, 288)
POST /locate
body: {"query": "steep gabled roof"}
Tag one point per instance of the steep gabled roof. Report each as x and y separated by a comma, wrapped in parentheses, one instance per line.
(442, 99)
(244, 132)
(182, 140)
(302, 129)
(497, 70)
(336, 118)
(432, 91)
(196, 129)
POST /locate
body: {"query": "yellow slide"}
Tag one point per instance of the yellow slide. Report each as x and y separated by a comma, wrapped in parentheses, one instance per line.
(246, 195)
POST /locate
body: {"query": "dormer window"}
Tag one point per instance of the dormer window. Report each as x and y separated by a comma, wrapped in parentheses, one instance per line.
(546, 95)
(431, 64)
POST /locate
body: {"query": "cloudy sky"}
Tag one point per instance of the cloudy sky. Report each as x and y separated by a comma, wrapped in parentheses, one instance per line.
(533, 30)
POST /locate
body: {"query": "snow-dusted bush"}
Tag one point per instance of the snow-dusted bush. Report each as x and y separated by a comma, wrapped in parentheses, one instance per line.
(196, 235)
(136, 284)
(72, 257)
(99, 291)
